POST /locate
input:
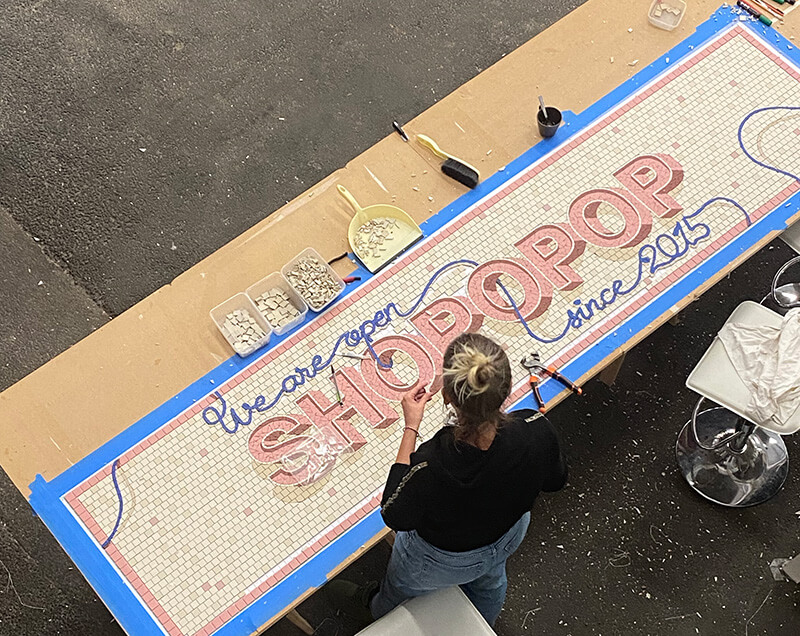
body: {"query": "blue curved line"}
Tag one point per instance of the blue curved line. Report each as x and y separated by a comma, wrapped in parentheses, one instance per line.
(751, 157)
(426, 289)
(119, 498)
(727, 200)
(525, 322)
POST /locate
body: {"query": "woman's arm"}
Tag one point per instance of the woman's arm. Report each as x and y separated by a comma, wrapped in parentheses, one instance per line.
(401, 507)
(408, 443)
(556, 477)
(413, 404)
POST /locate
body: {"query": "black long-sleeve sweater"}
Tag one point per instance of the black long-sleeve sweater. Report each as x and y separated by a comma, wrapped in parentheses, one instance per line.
(458, 497)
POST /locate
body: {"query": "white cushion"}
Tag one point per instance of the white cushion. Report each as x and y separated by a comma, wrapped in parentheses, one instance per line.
(715, 377)
(446, 612)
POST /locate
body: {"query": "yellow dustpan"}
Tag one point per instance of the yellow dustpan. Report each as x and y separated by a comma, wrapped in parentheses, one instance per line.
(378, 233)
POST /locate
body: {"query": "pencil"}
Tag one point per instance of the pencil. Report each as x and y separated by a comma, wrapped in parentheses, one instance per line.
(763, 5)
(352, 355)
(336, 386)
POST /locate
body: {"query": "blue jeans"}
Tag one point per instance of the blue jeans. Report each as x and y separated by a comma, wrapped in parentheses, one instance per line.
(416, 567)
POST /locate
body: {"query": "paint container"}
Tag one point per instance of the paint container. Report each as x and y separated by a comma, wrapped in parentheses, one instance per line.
(549, 126)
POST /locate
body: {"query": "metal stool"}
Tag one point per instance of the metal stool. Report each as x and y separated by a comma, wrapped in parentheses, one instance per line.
(782, 298)
(723, 454)
(791, 236)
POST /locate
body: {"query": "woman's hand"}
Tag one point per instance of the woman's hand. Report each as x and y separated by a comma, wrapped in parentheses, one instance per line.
(413, 404)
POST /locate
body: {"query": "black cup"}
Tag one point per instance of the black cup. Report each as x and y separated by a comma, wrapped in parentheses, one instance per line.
(549, 126)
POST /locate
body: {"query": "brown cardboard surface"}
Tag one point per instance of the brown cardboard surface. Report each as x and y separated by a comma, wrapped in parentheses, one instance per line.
(102, 385)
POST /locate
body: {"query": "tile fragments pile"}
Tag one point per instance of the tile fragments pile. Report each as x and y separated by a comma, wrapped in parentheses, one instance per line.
(276, 307)
(665, 8)
(313, 282)
(243, 330)
(372, 235)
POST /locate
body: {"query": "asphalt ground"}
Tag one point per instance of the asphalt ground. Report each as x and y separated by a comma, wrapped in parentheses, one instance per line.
(137, 138)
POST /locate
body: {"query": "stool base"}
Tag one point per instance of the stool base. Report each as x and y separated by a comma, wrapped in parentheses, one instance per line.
(724, 476)
(789, 294)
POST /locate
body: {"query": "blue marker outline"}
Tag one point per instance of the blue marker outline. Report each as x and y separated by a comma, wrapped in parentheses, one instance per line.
(126, 606)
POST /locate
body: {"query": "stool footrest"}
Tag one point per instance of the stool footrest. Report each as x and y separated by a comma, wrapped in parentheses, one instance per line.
(746, 471)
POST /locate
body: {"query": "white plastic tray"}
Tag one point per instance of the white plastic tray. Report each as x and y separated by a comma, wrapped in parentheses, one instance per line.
(667, 21)
(240, 301)
(273, 281)
(310, 251)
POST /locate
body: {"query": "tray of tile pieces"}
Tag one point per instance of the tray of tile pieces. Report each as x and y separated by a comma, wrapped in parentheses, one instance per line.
(313, 279)
(243, 326)
(666, 14)
(281, 305)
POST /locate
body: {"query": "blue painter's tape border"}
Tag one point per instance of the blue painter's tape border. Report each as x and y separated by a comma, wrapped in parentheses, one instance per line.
(104, 578)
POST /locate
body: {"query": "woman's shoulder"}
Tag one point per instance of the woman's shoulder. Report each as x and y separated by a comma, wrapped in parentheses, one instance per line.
(431, 450)
(528, 425)
(524, 418)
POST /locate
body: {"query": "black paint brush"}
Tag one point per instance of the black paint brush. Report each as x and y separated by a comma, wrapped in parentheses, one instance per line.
(453, 167)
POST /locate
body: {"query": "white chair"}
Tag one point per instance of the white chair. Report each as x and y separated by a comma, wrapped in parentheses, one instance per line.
(723, 453)
(446, 612)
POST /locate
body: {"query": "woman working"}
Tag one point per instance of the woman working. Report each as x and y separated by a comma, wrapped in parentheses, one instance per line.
(461, 503)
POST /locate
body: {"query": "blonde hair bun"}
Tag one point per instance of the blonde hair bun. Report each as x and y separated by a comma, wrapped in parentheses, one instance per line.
(471, 371)
(476, 380)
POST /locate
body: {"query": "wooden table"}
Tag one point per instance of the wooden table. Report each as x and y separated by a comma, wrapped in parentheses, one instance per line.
(496, 108)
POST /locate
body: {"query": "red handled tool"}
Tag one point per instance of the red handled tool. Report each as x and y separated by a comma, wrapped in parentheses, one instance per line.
(532, 362)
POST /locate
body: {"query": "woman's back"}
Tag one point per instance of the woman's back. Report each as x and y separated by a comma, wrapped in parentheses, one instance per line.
(459, 497)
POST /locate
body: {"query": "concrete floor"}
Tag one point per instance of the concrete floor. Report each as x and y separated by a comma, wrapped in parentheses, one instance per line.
(138, 137)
